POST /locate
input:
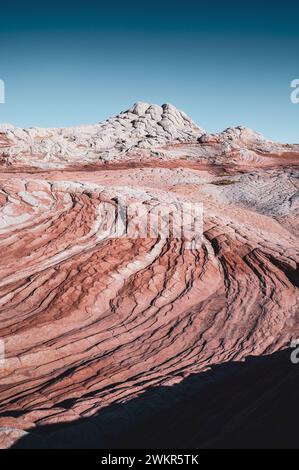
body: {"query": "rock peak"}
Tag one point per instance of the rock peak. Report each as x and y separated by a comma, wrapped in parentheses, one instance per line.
(156, 112)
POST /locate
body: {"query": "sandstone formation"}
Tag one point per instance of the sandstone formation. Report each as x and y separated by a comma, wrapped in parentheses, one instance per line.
(90, 320)
(143, 126)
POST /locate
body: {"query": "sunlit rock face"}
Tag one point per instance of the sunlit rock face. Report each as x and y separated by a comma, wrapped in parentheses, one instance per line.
(143, 126)
(88, 319)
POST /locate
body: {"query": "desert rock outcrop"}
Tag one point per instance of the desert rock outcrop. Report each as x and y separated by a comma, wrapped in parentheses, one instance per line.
(88, 319)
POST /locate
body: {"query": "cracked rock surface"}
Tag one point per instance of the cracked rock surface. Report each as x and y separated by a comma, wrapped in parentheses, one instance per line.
(89, 320)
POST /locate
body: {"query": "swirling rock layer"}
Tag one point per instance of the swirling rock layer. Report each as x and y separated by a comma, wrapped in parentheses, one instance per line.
(88, 320)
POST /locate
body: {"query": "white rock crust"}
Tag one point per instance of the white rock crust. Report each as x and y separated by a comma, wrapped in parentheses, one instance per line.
(142, 126)
(143, 130)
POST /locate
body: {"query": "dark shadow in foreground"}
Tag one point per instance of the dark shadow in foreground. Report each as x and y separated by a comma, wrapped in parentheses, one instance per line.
(251, 404)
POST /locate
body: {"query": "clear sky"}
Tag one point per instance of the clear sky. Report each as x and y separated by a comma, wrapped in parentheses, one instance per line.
(224, 63)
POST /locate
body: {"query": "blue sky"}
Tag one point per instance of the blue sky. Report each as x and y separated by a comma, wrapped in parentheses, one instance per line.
(223, 63)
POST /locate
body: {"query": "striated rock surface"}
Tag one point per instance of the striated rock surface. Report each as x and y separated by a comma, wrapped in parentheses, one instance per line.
(143, 133)
(90, 320)
(142, 126)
